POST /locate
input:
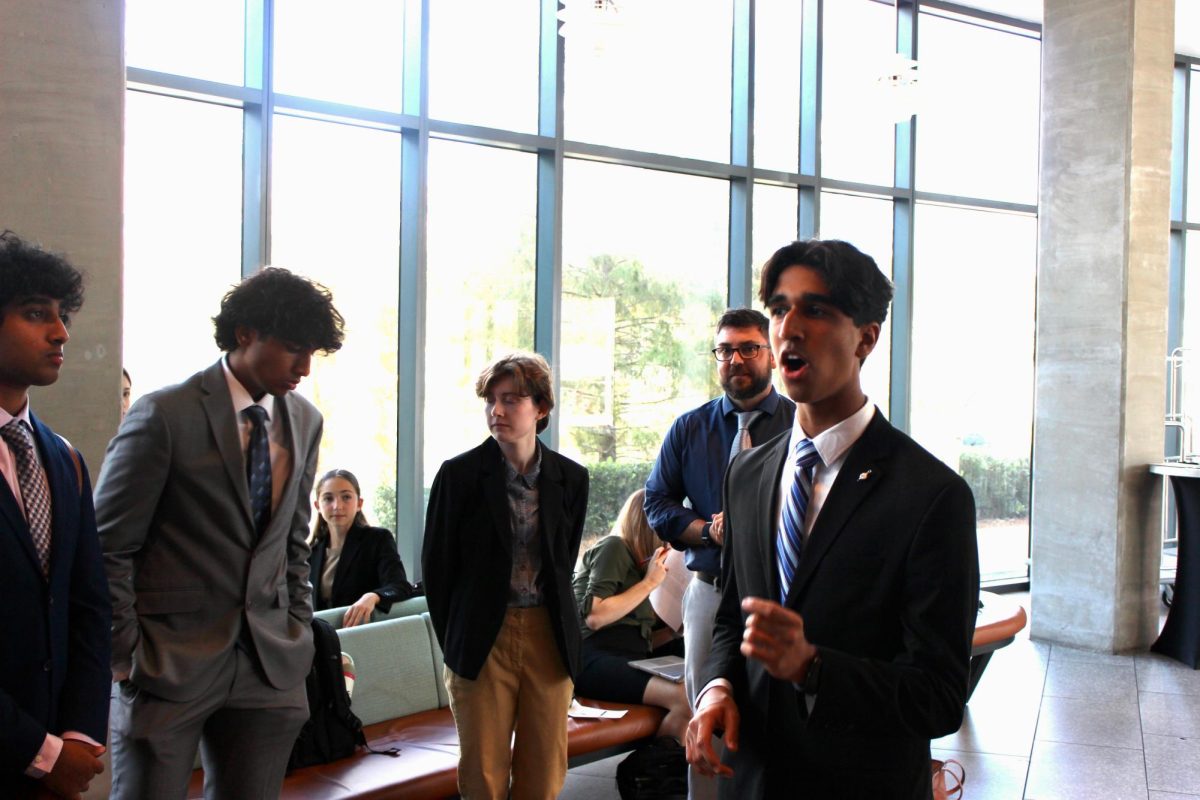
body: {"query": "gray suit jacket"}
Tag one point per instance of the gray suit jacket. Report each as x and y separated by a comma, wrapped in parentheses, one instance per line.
(183, 563)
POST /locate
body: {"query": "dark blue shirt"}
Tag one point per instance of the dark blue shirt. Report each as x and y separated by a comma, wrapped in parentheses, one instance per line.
(691, 464)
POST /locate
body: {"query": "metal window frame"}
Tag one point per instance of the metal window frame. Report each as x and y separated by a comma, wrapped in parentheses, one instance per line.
(260, 103)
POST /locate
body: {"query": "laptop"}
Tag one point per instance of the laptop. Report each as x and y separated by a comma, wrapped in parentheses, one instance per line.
(669, 667)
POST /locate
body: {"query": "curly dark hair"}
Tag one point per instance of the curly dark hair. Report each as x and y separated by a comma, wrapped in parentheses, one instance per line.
(28, 271)
(856, 286)
(278, 303)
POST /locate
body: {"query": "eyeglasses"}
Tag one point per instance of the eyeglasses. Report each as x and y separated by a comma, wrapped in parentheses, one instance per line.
(746, 350)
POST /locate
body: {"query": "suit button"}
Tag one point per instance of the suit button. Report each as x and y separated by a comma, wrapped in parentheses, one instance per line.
(47, 666)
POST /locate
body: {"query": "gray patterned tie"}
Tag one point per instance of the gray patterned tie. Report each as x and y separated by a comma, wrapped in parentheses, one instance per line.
(741, 439)
(35, 490)
(258, 468)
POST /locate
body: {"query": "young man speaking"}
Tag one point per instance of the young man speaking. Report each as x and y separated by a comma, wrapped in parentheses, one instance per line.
(851, 577)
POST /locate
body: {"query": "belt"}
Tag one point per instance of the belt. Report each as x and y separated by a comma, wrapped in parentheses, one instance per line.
(712, 580)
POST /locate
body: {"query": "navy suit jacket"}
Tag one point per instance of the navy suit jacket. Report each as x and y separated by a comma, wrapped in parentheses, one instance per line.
(54, 635)
(888, 587)
(467, 555)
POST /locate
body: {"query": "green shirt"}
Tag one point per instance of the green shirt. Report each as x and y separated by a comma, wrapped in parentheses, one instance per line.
(608, 569)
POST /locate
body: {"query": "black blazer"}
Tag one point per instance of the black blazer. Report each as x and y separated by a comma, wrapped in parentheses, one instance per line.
(54, 635)
(888, 586)
(467, 553)
(369, 563)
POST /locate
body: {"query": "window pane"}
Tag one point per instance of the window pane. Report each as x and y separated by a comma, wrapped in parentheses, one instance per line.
(346, 52)
(642, 290)
(197, 38)
(335, 217)
(650, 75)
(1191, 341)
(866, 222)
(483, 63)
(972, 367)
(857, 133)
(775, 224)
(978, 131)
(479, 284)
(777, 30)
(183, 230)
(1193, 176)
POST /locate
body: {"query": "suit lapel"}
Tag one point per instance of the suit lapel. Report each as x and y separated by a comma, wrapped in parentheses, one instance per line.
(14, 521)
(218, 408)
(492, 475)
(285, 407)
(350, 550)
(861, 472)
(766, 504)
(550, 496)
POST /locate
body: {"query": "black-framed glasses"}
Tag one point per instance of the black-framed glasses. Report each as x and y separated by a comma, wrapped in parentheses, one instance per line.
(747, 350)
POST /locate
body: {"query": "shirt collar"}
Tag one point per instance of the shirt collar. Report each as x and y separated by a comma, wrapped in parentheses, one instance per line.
(832, 443)
(768, 404)
(23, 415)
(241, 398)
(529, 478)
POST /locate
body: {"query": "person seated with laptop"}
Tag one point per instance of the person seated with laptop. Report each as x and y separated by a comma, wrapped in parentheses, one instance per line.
(612, 590)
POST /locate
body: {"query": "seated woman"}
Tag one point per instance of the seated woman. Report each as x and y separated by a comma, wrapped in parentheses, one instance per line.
(352, 564)
(612, 590)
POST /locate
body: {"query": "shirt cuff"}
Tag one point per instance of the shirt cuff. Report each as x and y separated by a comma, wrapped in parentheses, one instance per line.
(712, 684)
(46, 757)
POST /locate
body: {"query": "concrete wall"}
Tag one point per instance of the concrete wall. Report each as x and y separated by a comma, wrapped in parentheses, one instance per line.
(1101, 320)
(62, 79)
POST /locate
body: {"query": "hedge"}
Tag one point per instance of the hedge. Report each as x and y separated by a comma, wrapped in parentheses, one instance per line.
(1001, 487)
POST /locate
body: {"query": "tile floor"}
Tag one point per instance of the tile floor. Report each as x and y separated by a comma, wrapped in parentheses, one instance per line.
(1049, 722)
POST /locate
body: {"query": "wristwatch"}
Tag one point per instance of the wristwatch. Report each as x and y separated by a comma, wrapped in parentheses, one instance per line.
(706, 535)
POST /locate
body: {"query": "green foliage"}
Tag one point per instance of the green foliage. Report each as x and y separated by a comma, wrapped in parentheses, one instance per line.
(384, 506)
(610, 486)
(1001, 487)
(651, 361)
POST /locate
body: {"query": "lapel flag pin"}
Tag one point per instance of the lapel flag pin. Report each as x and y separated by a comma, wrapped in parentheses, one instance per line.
(862, 476)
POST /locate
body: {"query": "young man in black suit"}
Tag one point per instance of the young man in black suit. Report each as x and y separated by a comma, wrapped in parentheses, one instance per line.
(54, 608)
(851, 580)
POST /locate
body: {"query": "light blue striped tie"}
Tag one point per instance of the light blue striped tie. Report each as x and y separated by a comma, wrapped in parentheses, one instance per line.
(790, 542)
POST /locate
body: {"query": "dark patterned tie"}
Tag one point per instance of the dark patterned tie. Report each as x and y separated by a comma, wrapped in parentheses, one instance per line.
(790, 542)
(35, 491)
(258, 468)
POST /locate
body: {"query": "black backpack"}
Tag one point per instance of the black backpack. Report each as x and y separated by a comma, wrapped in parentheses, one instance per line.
(332, 731)
(654, 771)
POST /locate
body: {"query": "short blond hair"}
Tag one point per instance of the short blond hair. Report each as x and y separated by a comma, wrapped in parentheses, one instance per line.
(531, 375)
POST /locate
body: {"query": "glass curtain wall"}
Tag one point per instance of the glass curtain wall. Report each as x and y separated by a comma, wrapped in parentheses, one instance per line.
(473, 177)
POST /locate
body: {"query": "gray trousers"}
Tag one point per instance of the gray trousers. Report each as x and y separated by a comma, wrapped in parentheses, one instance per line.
(700, 603)
(244, 727)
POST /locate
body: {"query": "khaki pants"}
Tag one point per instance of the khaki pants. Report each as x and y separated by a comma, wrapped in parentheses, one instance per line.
(523, 686)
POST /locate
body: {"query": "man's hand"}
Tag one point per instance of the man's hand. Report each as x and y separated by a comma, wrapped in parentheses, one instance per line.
(77, 764)
(360, 612)
(774, 636)
(717, 531)
(717, 712)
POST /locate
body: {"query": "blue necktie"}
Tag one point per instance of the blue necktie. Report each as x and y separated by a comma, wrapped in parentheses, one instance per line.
(790, 542)
(258, 468)
(35, 490)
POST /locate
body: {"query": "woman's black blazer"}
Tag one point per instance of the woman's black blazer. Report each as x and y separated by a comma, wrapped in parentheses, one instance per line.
(467, 554)
(369, 563)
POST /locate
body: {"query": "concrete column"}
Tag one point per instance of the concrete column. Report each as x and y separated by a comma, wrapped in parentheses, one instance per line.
(62, 78)
(1101, 320)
